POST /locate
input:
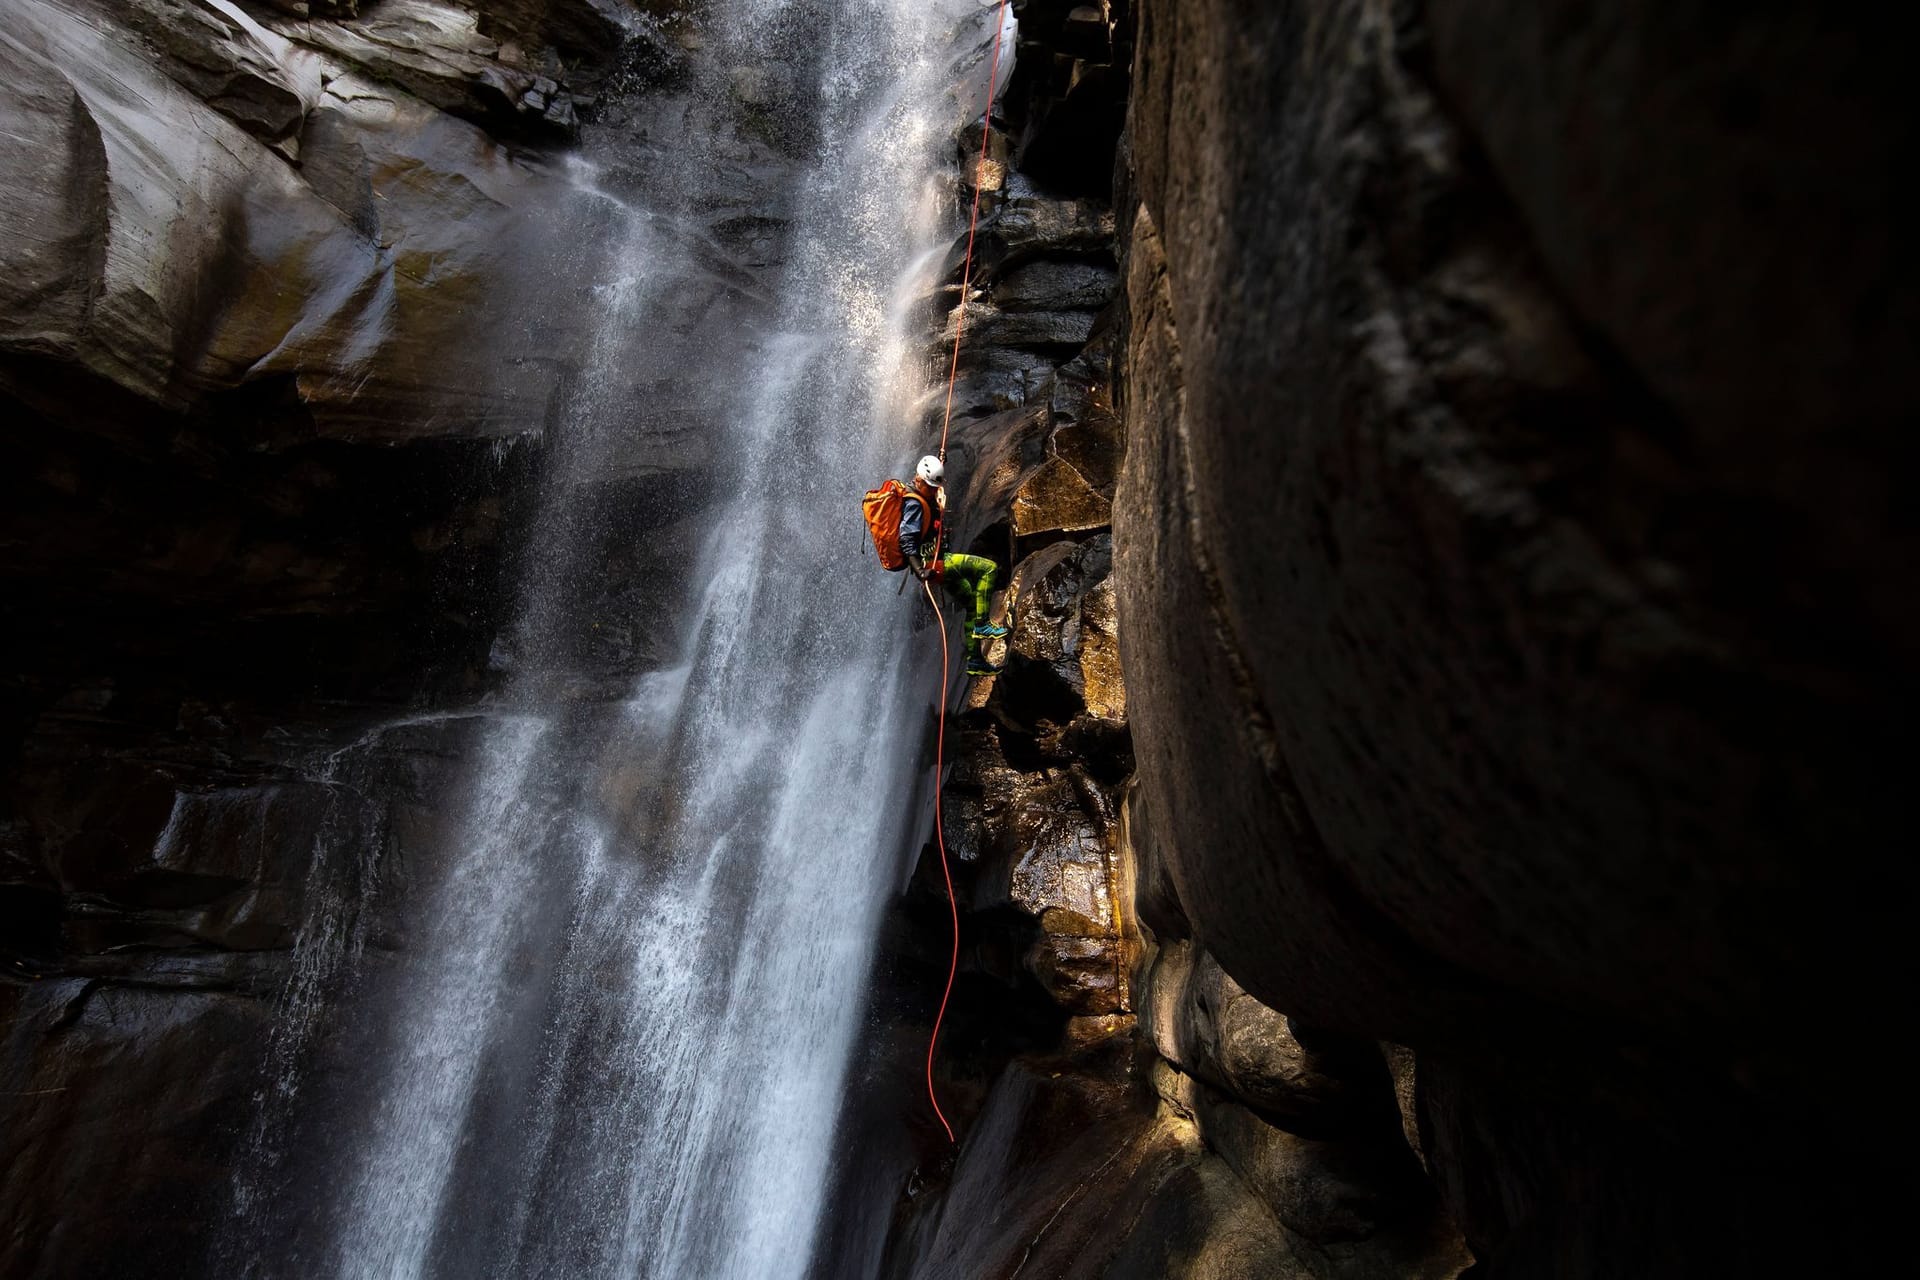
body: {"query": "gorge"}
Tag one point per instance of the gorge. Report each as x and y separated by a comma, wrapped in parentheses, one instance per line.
(468, 804)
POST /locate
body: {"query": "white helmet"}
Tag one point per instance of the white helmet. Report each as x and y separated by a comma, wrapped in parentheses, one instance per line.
(932, 471)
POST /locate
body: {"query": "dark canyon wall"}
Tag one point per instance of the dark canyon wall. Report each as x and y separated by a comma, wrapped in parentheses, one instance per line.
(1514, 588)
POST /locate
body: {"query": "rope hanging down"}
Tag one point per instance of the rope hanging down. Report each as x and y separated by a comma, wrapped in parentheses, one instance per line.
(973, 222)
(946, 660)
(940, 835)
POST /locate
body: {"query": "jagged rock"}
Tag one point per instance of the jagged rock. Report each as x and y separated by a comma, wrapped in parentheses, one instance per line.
(1054, 286)
(1062, 623)
(1044, 853)
(1084, 975)
(980, 791)
(992, 457)
(1103, 687)
(1029, 225)
(228, 61)
(1062, 854)
(1057, 498)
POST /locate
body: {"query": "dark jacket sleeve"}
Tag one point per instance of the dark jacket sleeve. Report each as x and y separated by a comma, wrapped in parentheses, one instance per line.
(913, 515)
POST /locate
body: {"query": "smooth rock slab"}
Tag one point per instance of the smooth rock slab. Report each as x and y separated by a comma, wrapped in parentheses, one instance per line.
(1508, 573)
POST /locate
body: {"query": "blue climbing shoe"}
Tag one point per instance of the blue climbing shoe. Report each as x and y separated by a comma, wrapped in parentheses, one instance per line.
(981, 667)
(989, 631)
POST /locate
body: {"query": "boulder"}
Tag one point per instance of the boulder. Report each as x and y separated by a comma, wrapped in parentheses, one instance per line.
(1329, 1192)
(1059, 623)
(1030, 841)
(1201, 1022)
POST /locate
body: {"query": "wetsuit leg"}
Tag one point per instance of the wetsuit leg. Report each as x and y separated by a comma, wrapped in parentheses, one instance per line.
(972, 578)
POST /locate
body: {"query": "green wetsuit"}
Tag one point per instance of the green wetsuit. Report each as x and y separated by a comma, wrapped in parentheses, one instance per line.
(971, 578)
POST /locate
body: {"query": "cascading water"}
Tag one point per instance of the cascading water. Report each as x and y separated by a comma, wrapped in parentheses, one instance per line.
(615, 1037)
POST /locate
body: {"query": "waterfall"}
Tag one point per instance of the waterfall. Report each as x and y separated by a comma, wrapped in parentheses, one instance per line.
(615, 1035)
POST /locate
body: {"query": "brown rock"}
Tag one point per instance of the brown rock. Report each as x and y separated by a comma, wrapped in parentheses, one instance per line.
(1063, 861)
(1084, 975)
(1063, 621)
(1102, 687)
(1058, 498)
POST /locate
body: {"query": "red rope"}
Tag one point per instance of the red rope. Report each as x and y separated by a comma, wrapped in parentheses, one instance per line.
(946, 657)
(973, 222)
(940, 835)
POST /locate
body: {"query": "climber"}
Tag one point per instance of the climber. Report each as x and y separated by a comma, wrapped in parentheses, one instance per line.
(971, 578)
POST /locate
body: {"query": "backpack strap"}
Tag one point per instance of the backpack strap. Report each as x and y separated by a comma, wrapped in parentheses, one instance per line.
(932, 524)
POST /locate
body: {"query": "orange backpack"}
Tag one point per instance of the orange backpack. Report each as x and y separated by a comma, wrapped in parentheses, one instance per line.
(883, 507)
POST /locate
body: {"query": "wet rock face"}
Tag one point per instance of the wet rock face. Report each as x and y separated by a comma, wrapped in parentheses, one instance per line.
(1503, 683)
(1044, 270)
(282, 341)
(1148, 1117)
(205, 199)
(159, 859)
(1042, 750)
(295, 301)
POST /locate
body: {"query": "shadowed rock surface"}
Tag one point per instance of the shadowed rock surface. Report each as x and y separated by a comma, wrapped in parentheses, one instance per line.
(1516, 399)
(1125, 1109)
